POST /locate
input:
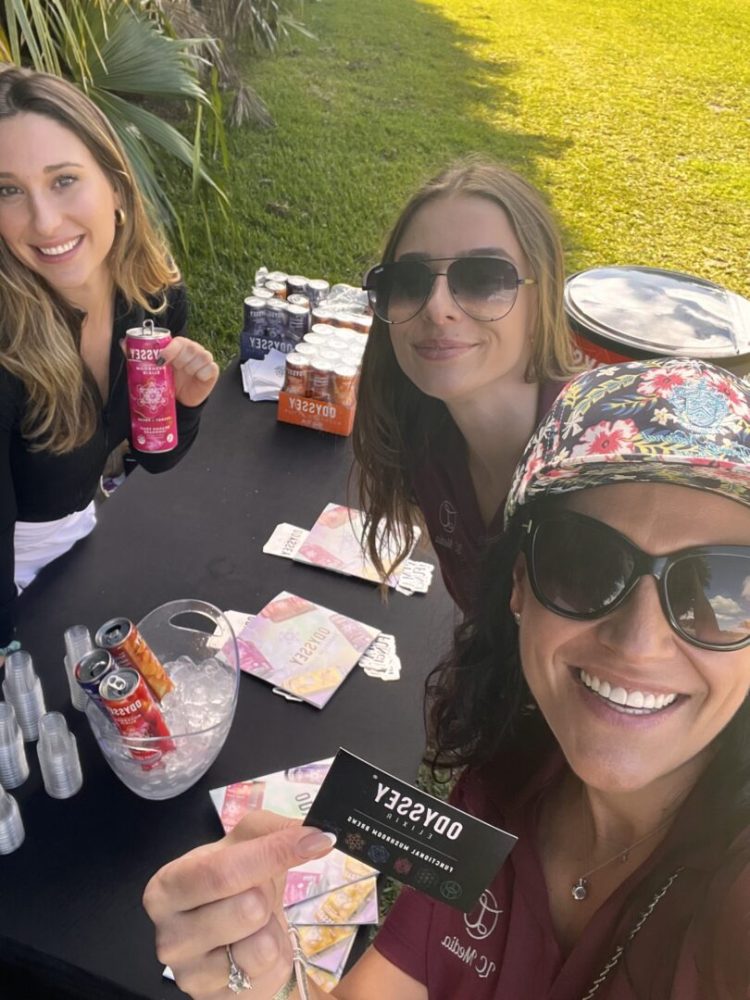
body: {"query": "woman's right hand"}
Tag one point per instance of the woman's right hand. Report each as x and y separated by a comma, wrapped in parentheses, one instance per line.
(230, 892)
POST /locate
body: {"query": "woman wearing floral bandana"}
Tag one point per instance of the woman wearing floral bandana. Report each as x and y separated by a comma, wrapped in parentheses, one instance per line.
(599, 702)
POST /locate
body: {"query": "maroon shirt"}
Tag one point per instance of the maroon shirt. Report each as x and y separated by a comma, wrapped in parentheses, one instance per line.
(505, 948)
(444, 492)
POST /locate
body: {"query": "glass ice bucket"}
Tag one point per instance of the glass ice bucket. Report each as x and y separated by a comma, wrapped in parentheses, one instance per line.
(198, 649)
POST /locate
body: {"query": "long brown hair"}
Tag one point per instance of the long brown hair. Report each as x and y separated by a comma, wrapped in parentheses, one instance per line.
(396, 422)
(39, 330)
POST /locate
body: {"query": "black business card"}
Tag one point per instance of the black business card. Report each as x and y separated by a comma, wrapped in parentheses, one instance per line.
(408, 834)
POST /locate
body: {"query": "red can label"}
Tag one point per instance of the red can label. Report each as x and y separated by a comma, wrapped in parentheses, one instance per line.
(153, 409)
(135, 713)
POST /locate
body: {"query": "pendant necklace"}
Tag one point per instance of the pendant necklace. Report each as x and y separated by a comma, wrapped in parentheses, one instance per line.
(580, 888)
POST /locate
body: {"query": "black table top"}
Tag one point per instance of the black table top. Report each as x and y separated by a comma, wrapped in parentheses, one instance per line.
(71, 921)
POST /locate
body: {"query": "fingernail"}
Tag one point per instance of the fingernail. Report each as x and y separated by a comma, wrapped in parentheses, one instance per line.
(161, 360)
(315, 843)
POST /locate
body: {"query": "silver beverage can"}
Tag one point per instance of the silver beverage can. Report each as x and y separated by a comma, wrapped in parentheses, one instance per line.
(297, 322)
(296, 285)
(278, 288)
(321, 313)
(297, 374)
(91, 670)
(295, 299)
(317, 290)
(276, 319)
(255, 315)
(319, 386)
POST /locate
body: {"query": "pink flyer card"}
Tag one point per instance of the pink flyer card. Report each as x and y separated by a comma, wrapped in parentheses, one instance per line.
(291, 793)
(335, 542)
(302, 648)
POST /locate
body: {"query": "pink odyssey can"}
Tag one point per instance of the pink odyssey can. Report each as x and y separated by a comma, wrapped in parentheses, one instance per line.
(153, 410)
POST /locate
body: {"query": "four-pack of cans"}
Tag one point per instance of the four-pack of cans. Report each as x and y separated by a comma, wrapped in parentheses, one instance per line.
(323, 332)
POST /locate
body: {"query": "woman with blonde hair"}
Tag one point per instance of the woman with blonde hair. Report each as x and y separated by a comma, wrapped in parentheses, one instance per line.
(80, 263)
(469, 347)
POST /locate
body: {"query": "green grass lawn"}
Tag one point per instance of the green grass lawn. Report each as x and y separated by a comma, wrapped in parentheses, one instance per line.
(633, 116)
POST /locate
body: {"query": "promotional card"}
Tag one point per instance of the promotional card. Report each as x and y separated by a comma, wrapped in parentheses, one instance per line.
(407, 834)
(302, 648)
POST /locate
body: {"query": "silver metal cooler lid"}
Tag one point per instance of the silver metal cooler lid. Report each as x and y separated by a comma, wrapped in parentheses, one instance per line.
(649, 311)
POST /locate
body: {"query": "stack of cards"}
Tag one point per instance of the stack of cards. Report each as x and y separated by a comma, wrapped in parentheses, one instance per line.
(262, 380)
(335, 542)
(302, 648)
(328, 900)
(381, 659)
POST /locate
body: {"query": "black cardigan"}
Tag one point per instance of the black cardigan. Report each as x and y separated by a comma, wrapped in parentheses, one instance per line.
(39, 486)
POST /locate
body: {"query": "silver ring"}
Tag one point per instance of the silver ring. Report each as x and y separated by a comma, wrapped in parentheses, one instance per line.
(238, 979)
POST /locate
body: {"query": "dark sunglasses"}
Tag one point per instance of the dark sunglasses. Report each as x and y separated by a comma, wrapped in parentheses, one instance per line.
(583, 569)
(485, 288)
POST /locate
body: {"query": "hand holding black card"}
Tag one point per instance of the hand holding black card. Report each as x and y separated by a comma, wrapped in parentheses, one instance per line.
(408, 834)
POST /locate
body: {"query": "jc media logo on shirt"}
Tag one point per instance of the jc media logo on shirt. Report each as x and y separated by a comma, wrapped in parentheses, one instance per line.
(447, 515)
(480, 923)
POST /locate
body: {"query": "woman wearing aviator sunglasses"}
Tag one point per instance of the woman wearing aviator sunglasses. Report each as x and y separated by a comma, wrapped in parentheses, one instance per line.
(598, 698)
(469, 347)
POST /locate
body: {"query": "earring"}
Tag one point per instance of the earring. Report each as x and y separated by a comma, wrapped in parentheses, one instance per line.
(516, 617)
(120, 217)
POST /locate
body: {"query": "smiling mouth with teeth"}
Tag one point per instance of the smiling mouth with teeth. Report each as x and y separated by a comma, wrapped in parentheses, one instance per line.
(633, 702)
(61, 248)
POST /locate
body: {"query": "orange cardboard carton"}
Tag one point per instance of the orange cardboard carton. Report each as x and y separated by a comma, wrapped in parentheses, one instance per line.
(335, 418)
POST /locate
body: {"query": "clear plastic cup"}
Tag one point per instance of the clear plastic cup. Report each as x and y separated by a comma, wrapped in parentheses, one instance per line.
(14, 767)
(12, 832)
(78, 642)
(23, 689)
(58, 757)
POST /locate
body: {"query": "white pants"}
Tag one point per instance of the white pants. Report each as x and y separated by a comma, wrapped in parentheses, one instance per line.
(39, 542)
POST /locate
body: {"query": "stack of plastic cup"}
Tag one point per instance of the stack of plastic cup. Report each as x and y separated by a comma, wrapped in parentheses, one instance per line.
(58, 757)
(77, 644)
(14, 768)
(23, 689)
(11, 824)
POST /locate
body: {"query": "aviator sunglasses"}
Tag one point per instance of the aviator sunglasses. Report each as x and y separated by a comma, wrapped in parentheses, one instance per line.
(484, 288)
(583, 569)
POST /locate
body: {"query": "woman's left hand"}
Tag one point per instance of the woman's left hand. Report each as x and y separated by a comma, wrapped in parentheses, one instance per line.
(195, 371)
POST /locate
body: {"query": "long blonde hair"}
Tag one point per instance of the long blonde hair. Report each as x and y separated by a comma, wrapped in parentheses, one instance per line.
(396, 423)
(39, 330)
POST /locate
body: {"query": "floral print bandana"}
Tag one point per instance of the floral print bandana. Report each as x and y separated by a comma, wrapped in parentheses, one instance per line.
(679, 421)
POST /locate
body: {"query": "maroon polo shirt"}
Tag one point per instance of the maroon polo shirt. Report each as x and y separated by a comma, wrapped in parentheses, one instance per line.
(695, 945)
(444, 492)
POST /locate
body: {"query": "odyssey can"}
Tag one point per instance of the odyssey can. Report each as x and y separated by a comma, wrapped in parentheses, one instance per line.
(344, 385)
(129, 649)
(278, 288)
(296, 284)
(276, 319)
(298, 300)
(153, 410)
(317, 290)
(319, 386)
(135, 714)
(298, 322)
(254, 325)
(91, 670)
(297, 375)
